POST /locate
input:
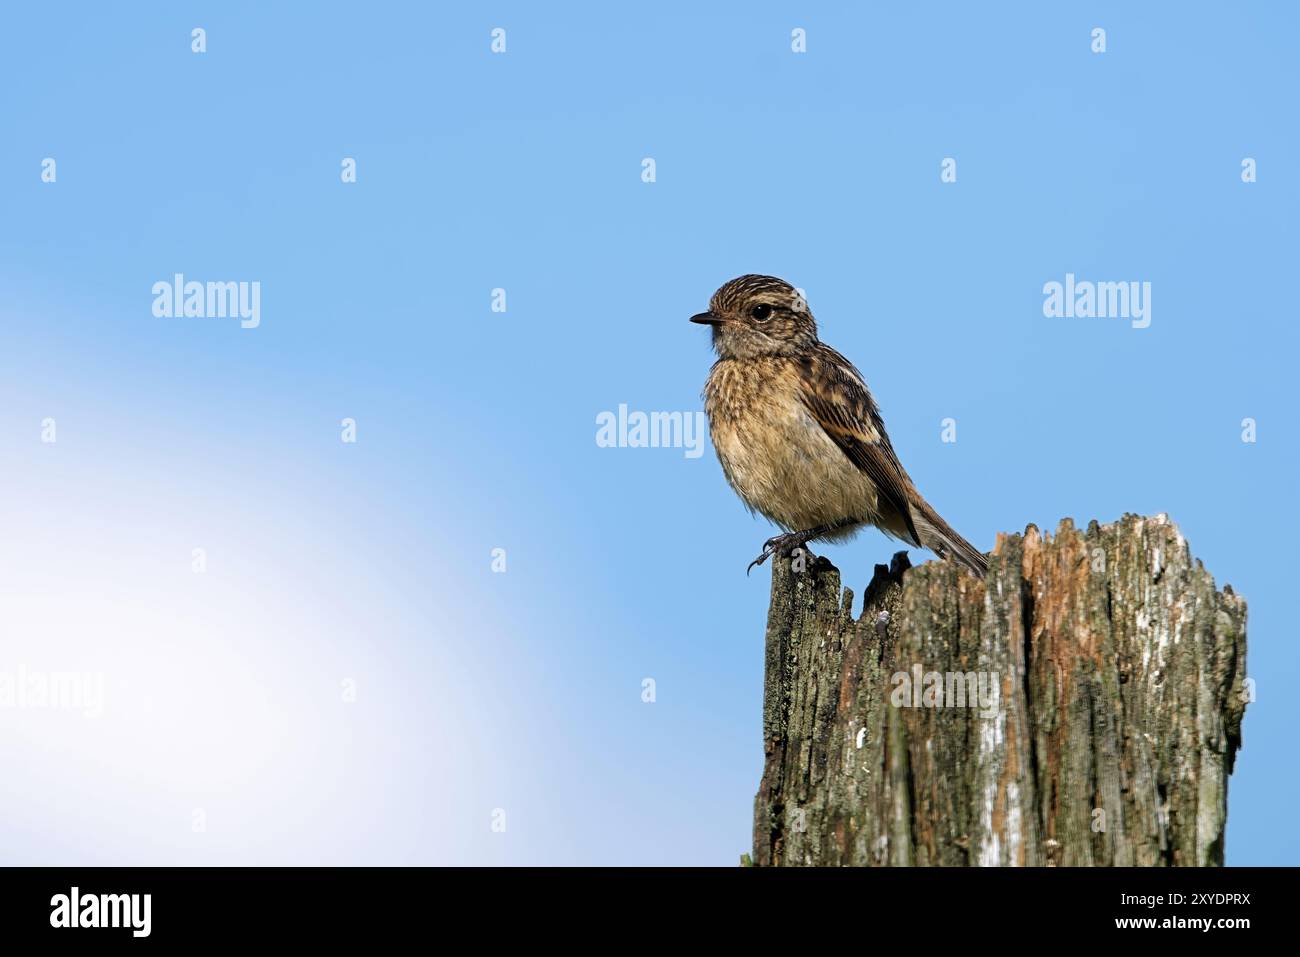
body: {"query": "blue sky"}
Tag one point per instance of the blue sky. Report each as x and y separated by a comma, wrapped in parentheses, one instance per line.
(370, 562)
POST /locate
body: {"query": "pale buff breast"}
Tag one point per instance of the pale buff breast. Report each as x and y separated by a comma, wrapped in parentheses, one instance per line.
(775, 454)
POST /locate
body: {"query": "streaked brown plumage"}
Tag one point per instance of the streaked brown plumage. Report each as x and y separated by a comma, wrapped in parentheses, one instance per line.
(798, 434)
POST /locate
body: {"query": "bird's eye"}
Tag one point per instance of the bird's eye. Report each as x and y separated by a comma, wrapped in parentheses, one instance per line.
(762, 312)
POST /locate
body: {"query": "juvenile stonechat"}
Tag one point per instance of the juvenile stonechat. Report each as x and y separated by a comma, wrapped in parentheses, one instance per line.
(798, 434)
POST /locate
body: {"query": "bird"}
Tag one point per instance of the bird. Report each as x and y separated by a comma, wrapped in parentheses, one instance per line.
(798, 434)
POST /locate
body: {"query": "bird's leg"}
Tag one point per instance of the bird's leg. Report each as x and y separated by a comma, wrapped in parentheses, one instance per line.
(788, 542)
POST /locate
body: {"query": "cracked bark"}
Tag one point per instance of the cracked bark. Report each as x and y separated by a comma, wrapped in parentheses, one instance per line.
(1120, 690)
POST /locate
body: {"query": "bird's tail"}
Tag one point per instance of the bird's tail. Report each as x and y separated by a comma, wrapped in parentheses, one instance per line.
(938, 536)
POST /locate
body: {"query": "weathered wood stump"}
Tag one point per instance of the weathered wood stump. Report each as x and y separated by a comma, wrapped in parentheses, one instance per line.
(1081, 706)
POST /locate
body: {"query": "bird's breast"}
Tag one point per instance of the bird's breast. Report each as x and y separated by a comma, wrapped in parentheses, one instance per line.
(775, 454)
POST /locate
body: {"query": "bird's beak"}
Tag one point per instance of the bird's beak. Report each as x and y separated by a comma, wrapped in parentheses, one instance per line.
(707, 319)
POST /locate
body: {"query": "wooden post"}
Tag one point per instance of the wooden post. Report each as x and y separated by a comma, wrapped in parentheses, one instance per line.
(1081, 706)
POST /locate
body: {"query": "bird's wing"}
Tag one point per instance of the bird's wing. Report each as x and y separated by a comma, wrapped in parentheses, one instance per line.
(837, 397)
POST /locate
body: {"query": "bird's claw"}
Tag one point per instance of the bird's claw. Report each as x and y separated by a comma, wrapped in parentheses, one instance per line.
(775, 545)
(767, 553)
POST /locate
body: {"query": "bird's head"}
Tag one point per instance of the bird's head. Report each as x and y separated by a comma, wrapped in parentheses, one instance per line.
(759, 315)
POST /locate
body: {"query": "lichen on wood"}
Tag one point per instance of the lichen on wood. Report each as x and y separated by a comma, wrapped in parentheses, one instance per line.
(1082, 705)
